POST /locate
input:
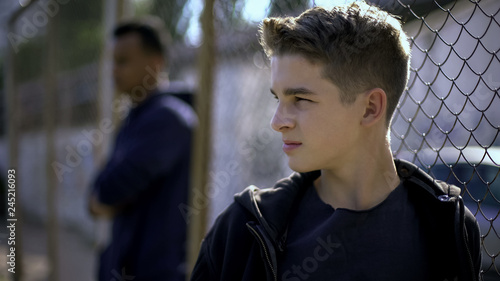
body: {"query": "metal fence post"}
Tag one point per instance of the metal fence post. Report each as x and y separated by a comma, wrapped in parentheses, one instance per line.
(49, 120)
(197, 212)
(12, 121)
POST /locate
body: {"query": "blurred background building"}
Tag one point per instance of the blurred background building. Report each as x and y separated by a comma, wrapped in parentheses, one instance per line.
(56, 92)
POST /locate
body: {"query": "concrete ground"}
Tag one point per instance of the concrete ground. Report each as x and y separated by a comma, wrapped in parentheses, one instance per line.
(76, 255)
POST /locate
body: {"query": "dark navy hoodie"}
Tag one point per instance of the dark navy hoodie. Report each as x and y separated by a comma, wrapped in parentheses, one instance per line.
(146, 178)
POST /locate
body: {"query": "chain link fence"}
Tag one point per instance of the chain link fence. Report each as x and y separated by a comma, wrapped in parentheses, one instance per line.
(52, 80)
(448, 120)
(55, 47)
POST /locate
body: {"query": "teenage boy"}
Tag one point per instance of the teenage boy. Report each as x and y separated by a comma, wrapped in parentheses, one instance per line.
(350, 212)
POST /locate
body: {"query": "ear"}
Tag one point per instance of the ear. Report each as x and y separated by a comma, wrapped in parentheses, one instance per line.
(375, 107)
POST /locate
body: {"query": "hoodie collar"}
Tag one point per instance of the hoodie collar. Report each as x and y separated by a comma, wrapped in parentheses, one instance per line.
(438, 189)
(272, 206)
(153, 95)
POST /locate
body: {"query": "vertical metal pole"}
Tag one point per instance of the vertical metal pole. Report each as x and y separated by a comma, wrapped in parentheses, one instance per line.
(49, 119)
(105, 82)
(124, 9)
(113, 10)
(202, 142)
(13, 123)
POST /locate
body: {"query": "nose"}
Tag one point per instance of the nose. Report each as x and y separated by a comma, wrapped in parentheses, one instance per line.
(282, 119)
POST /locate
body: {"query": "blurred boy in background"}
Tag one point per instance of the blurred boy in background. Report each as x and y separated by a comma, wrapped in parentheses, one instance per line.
(146, 176)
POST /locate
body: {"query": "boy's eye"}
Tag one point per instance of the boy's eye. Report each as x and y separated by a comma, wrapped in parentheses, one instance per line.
(300, 99)
(295, 99)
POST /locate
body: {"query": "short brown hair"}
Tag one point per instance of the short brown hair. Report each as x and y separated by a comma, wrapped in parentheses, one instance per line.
(361, 47)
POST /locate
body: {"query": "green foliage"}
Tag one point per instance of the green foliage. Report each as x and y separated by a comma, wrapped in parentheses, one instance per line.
(170, 12)
(78, 40)
(79, 33)
(176, 14)
(29, 60)
(229, 13)
(288, 7)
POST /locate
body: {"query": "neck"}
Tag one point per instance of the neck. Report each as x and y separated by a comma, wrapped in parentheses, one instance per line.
(138, 99)
(361, 183)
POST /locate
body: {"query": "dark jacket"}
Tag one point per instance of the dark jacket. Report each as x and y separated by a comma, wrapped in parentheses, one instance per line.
(247, 237)
(146, 177)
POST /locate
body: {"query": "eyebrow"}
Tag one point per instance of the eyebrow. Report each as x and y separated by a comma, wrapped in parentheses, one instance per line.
(295, 91)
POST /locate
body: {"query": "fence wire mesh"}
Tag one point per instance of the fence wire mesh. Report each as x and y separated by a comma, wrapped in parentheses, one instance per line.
(447, 121)
(72, 31)
(54, 49)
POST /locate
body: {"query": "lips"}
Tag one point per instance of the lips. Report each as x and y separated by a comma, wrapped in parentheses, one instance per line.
(289, 146)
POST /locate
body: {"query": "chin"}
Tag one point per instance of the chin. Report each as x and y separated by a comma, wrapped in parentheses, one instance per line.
(300, 167)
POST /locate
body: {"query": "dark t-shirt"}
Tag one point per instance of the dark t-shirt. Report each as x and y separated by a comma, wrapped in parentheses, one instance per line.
(382, 243)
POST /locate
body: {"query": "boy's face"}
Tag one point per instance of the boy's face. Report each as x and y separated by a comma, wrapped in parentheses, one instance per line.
(318, 131)
(131, 62)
